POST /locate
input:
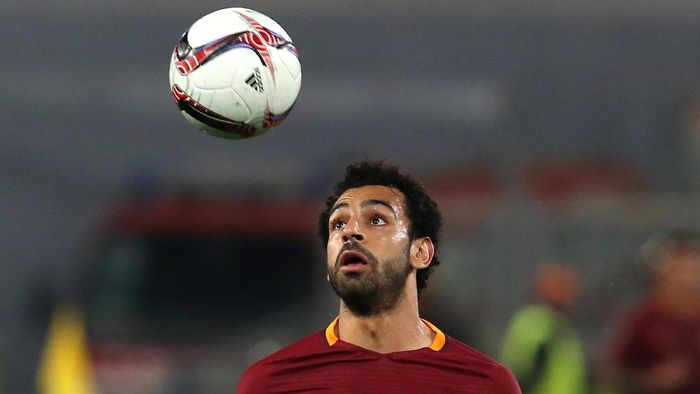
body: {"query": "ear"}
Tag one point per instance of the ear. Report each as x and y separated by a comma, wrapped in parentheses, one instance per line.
(422, 252)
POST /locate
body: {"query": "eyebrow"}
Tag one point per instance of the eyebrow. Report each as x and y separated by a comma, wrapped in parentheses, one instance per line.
(369, 203)
(336, 207)
(365, 204)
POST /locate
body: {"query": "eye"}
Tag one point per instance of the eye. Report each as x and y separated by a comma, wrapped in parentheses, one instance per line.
(337, 224)
(377, 221)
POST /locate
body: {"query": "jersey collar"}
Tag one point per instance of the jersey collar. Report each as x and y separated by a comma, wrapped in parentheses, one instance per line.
(437, 345)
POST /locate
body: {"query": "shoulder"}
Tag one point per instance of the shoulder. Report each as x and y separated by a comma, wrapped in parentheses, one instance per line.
(312, 343)
(261, 374)
(498, 377)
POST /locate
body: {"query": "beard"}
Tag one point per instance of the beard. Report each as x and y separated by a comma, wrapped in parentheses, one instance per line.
(373, 292)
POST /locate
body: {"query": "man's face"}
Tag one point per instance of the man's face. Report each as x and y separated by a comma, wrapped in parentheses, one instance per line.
(368, 246)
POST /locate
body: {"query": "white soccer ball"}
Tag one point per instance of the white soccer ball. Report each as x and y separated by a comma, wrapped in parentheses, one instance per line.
(235, 73)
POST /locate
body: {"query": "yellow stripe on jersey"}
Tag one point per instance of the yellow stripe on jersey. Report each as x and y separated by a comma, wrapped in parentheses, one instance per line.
(439, 340)
(330, 332)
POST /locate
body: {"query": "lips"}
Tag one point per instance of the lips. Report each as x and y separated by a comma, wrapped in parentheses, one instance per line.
(352, 261)
(350, 257)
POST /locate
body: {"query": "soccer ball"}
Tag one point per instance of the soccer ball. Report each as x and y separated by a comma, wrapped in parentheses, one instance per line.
(235, 73)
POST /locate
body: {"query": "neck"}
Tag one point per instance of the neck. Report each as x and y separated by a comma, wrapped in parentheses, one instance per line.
(399, 329)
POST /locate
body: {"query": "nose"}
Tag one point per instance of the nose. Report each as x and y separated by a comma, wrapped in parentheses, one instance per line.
(353, 232)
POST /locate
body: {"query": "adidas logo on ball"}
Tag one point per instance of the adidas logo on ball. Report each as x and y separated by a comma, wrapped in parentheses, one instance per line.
(255, 81)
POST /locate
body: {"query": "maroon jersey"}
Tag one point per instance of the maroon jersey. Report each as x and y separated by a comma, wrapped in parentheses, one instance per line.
(652, 337)
(323, 363)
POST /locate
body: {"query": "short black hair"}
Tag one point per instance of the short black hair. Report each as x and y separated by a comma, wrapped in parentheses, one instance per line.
(423, 213)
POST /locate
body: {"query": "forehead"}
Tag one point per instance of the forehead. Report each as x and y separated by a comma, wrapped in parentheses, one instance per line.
(361, 194)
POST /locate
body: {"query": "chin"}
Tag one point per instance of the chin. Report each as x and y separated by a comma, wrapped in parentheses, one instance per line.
(355, 289)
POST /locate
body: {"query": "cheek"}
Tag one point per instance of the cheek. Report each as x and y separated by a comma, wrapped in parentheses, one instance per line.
(400, 237)
(401, 234)
(332, 249)
(390, 245)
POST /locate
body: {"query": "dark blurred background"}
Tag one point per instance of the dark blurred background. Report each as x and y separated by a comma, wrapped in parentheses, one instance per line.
(547, 130)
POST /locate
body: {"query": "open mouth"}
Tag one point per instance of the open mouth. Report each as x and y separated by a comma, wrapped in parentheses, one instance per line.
(352, 258)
